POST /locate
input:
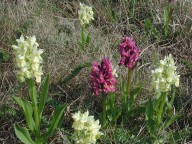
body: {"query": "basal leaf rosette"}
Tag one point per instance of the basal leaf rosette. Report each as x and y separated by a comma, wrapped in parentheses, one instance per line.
(165, 75)
(28, 59)
(86, 129)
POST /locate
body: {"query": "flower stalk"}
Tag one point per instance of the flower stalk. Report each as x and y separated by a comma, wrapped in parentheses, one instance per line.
(83, 42)
(129, 81)
(128, 87)
(160, 111)
(104, 115)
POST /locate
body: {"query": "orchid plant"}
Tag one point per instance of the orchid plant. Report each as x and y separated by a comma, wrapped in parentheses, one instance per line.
(28, 62)
(163, 77)
(130, 56)
(85, 16)
(102, 80)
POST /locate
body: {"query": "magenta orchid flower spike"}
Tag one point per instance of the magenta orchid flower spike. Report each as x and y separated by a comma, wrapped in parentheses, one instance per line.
(102, 78)
(130, 54)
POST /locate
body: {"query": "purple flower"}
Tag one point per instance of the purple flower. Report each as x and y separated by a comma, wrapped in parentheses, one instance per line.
(171, 1)
(130, 54)
(102, 78)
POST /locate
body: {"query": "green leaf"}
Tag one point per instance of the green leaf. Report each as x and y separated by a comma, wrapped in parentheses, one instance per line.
(43, 96)
(169, 106)
(56, 121)
(167, 16)
(177, 137)
(83, 39)
(158, 101)
(160, 111)
(156, 33)
(28, 111)
(148, 24)
(75, 72)
(123, 88)
(32, 91)
(187, 64)
(23, 134)
(173, 97)
(136, 90)
(87, 39)
(110, 103)
(4, 56)
(113, 112)
(133, 94)
(117, 114)
(137, 111)
(170, 121)
(150, 117)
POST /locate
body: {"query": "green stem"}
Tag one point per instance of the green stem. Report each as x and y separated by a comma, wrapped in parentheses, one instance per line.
(82, 37)
(103, 110)
(37, 123)
(33, 96)
(133, 12)
(167, 18)
(128, 86)
(129, 82)
(159, 114)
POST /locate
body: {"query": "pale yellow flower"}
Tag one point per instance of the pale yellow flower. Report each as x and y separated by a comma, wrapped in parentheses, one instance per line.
(165, 75)
(85, 14)
(28, 58)
(86, 129)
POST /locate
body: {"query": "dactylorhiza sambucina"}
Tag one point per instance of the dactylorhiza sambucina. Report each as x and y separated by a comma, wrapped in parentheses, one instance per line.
(86, 129)
(165, 75)
(130, 54)
(85, 14)
(28, 59)
(102, 77)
